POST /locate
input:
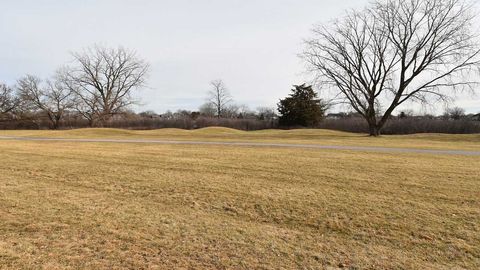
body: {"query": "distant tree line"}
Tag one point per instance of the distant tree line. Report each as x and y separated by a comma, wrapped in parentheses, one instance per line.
(36, 104)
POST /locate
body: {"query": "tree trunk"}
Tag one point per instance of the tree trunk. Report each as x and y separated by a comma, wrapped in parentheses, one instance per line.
(373, 125)
(91, 122)
(374, 129)
(53, 121)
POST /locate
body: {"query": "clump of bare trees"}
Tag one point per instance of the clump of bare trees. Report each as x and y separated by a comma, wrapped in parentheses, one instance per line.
(396, 51)
(455, 113)
(96, 87)
(50, 98)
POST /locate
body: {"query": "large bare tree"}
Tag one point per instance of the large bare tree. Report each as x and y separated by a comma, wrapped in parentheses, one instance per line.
(219, 97)
(396, 51)
(8, 101)
(103, 81)
(52, 98)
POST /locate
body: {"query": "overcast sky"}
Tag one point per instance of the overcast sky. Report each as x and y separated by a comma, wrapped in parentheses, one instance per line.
(251, 44)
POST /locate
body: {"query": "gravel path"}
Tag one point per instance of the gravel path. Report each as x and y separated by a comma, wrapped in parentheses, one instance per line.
(256, 144)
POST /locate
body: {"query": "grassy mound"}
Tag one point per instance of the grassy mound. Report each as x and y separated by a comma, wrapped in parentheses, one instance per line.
(298, 136)
(218, 130)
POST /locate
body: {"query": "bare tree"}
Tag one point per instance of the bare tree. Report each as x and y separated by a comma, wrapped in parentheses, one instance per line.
(103, 81)
(208, 110)
(267, 113)
(231, 111)
(396, 51)
(219, 97)
(244, 111)
(8, 101)
(455, 113)
(51, 98)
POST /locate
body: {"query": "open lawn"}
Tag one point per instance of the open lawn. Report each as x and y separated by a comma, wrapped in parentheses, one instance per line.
(306, 136)
(72, 205)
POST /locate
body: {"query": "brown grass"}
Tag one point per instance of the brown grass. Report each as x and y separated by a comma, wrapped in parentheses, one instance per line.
(109, 206)
(300, 136)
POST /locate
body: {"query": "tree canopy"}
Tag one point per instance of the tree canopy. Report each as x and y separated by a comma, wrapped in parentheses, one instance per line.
(301, 108)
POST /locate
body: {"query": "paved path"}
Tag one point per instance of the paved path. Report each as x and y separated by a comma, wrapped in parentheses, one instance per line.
(256, 144)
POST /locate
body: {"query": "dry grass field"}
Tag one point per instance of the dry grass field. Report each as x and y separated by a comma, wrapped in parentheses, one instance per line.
(71, 205)
(306, 136)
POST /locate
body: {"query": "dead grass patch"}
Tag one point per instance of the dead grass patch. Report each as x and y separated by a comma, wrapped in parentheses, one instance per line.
(93, 205)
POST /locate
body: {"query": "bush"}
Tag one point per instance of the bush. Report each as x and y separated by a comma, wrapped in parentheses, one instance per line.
(142, 123)
(405, 126)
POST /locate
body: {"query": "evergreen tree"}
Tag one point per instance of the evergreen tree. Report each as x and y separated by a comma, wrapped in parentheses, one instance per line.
(301, 108)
